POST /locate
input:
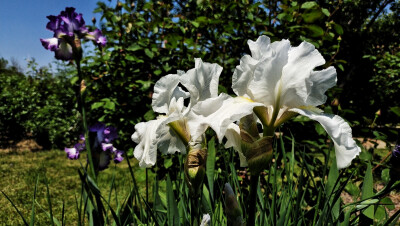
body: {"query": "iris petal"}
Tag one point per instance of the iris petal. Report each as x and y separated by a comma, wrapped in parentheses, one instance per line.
(72, 153)
(218, 113)
(339, 130)
(147, 135)
(201, 81)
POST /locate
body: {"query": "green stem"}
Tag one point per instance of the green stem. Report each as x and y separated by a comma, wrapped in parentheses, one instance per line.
(92, 172)
(251, 210)
(195, 211)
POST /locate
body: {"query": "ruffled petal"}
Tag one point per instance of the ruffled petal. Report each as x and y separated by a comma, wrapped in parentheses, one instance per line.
(258, 76)
(234, 140)
(268, 73)
(147, 136)
(259, 48)
(346, 148)
(50, 43)
(243, 76)
(165, 89)
(218, 113)
(201, 81)
(300, 85)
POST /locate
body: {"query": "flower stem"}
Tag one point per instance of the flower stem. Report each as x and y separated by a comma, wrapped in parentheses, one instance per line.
(81, 94)
(251, 210)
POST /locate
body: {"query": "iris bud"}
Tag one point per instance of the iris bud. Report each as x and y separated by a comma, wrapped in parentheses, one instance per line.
(195, 168)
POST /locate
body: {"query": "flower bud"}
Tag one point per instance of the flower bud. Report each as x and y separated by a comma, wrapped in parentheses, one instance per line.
(257, 150)
(195, 169)
(232, 209)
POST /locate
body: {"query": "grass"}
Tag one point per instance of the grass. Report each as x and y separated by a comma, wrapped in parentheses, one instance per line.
(20, 170)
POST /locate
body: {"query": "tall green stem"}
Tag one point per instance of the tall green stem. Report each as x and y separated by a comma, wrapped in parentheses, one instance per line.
(81, 94)
(251, 210)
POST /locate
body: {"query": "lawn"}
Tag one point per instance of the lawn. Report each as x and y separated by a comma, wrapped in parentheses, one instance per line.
(19, 171)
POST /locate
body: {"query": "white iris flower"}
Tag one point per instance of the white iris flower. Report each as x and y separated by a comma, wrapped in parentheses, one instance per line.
(178, 125)
(282, 80)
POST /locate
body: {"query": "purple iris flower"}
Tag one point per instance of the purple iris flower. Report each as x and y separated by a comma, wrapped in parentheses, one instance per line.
(102, 148)
(69, 27)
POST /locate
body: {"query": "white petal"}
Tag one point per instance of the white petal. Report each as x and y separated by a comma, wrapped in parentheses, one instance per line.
(170, 143)
(147, 136)
(300, 85)
(206, 221)
(259, 48)
(202, 81)
(243, 75)
(234, 140)
(346, 148)
(218, 113)
(261, 79)
(165, 89)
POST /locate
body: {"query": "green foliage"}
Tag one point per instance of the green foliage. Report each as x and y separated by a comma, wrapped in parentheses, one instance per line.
(39, 105)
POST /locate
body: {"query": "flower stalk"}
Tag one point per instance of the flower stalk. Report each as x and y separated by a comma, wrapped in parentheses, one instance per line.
(81, 98)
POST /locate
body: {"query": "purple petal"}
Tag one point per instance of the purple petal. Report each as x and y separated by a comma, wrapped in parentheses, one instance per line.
(72, 153)
(396, 151)
(107, 147)
(64, 51)
(104, 160)
(110, 134)
(50, 43)
(73, 22)
(80, 146)
(118, 156)
(99, 129)
(98, 37)
(54, 23)
(82, 137)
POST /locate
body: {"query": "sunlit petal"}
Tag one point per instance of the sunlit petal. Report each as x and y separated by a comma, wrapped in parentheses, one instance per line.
(346, 148)
(218, 113)
(201, 81)
(147, 136)
(300, 85)
(165, 89)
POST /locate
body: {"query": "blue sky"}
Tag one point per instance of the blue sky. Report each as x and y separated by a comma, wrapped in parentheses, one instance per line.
(23, 23)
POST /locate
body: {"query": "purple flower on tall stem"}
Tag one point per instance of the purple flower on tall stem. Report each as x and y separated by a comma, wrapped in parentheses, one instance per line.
(101, 145)
(69, 28)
